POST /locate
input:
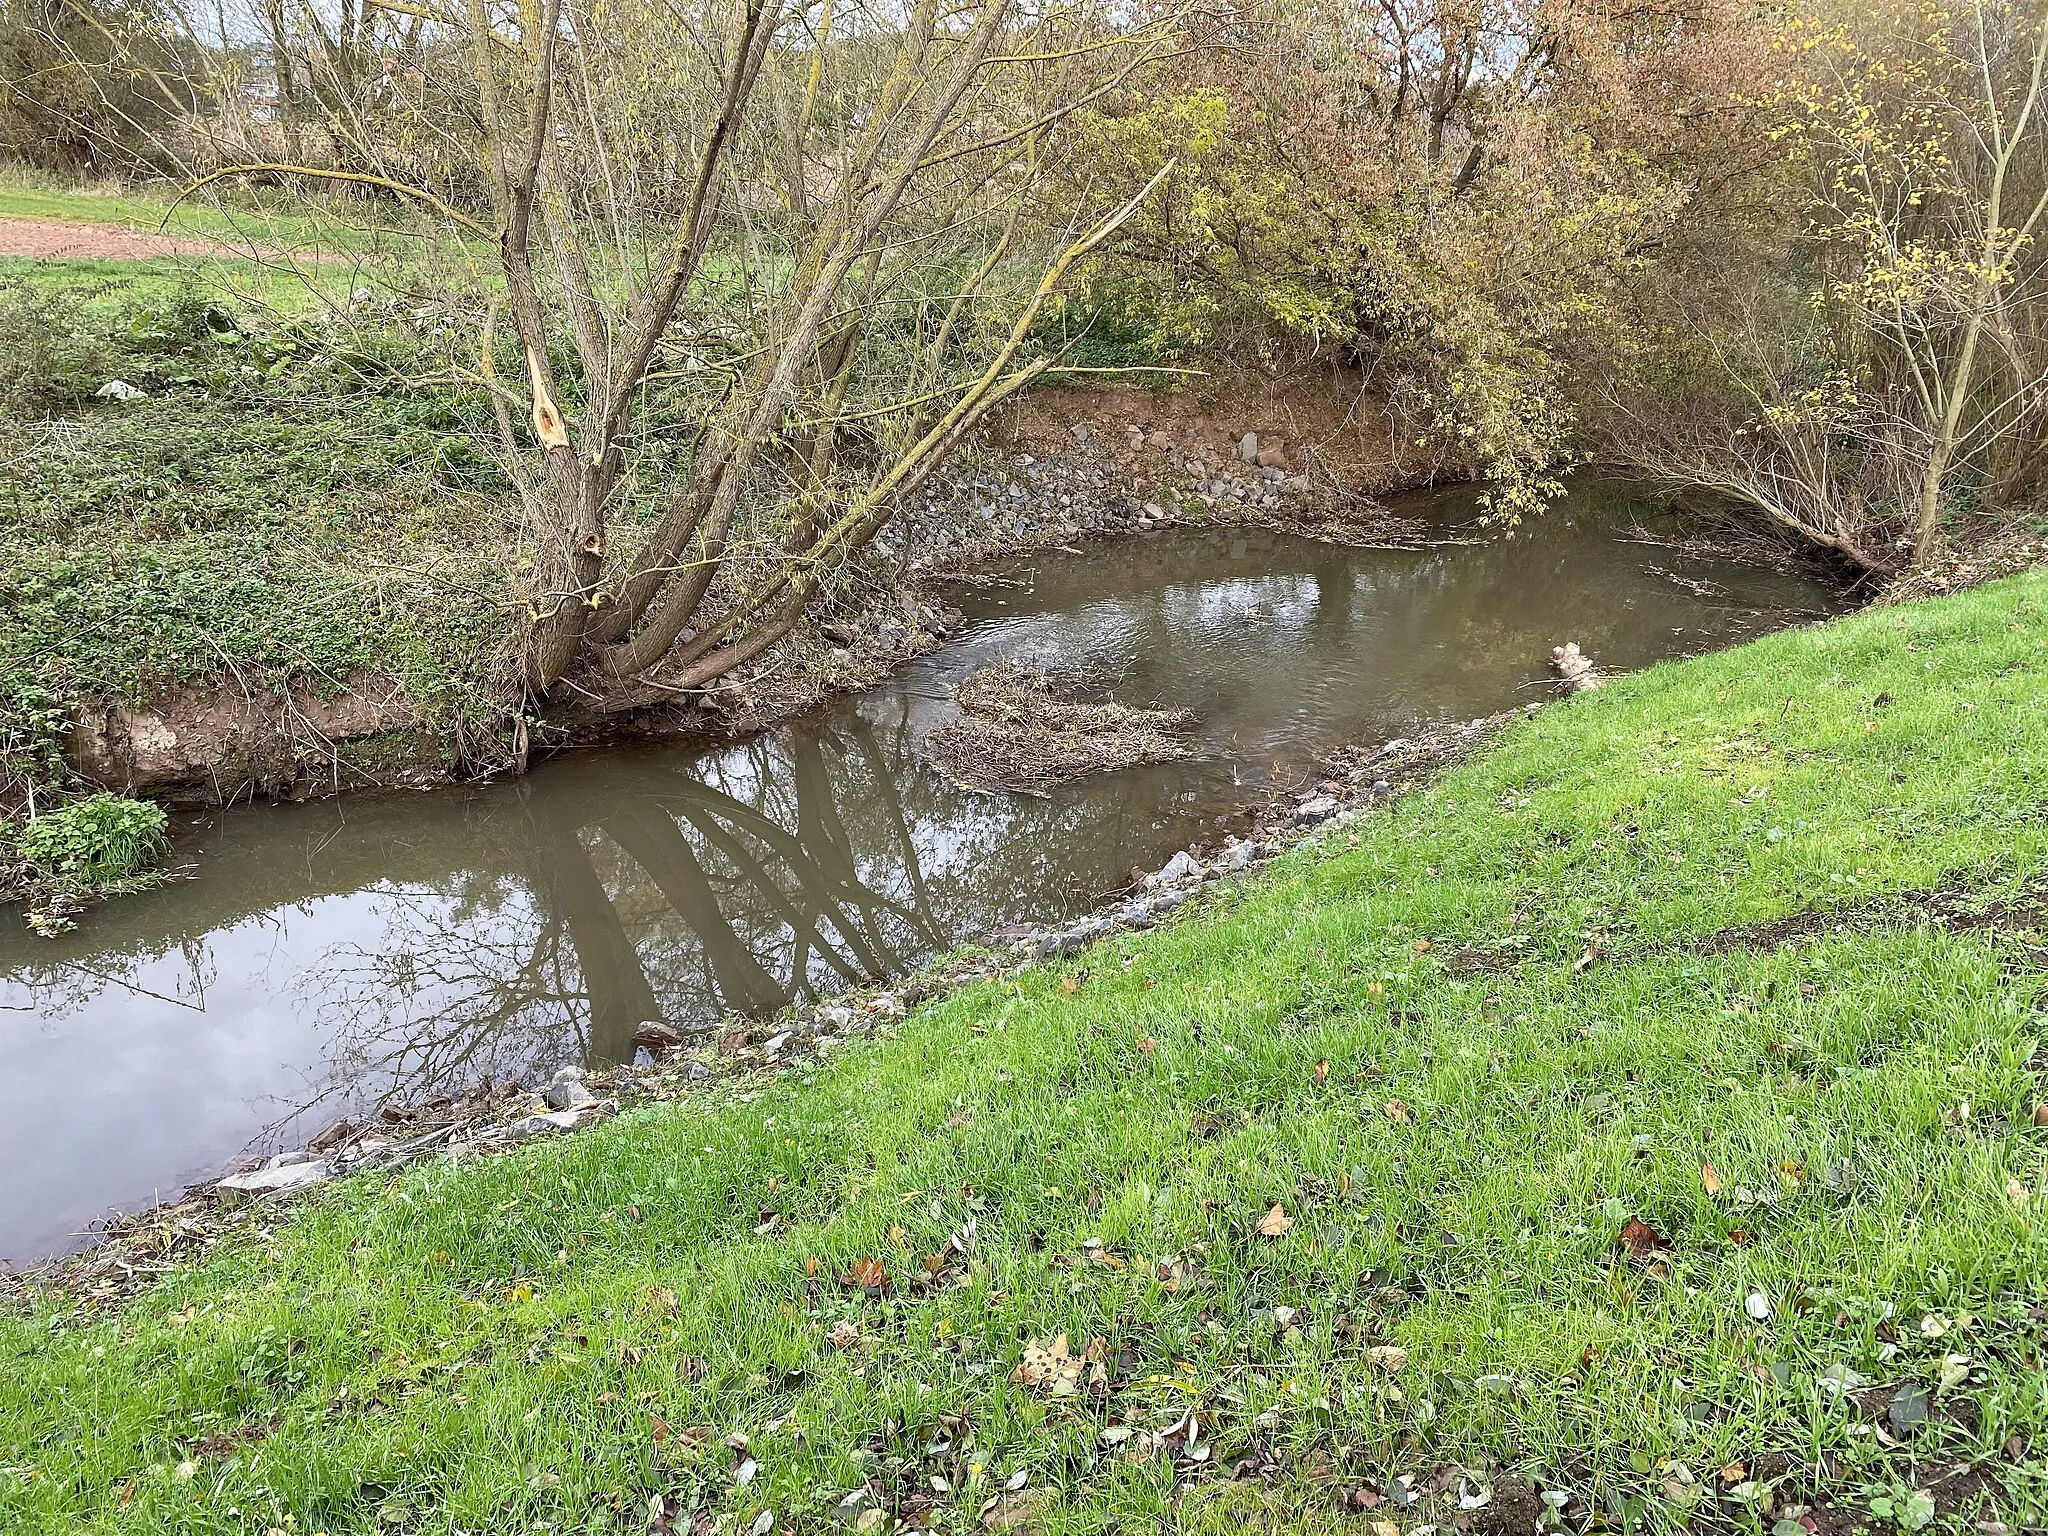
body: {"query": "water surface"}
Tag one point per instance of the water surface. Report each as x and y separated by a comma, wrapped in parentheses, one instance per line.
(396, 945)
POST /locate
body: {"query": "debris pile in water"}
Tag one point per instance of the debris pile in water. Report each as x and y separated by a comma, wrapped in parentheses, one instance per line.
(1023, 729)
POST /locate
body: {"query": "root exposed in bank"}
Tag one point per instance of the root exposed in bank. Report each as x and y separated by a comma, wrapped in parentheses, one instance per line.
(1022, 730)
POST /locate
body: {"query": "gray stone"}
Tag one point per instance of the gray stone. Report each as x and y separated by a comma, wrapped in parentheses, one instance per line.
(289, 1159)
(1178, 868)
(269, 1180)
(567, 1090)
(540, 1125)
(1248, 448)
(1321, 808)
(834, 1016)
(774, 1043)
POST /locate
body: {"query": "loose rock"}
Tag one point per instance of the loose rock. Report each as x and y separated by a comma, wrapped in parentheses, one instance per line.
(291, 1176)
(567, 1090)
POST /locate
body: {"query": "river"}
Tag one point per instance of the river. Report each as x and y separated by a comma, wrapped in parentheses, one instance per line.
(332, 955)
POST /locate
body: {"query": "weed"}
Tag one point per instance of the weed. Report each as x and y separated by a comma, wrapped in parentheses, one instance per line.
(101, 838)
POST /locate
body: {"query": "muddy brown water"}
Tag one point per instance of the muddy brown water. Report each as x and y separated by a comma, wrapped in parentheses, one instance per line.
(333, 955)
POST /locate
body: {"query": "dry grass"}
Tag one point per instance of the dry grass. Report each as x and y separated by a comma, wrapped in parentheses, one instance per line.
(1022, 730)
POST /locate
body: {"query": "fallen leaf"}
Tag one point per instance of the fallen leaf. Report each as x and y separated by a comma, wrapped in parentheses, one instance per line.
(868, 1274)
(1057, 1369)
(1398, 1112)
(1148, 1045)
(1008, 1513)
(899, 1237)
(1069, 986)
(1275, 1222)
(2015, 1191)
(1388, 1357)
(661, 1298)
(1322, 1071)
(1710, 1181)
(660, 1429)
(2041, 1114)
(1638, 1239)
(844, 1335)
(1907, 1410)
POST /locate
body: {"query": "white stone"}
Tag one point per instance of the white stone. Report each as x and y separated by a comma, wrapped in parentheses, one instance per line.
(291, 1176)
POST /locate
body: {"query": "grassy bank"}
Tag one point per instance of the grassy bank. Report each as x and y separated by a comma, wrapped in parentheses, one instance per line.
(1546, 1134)
(280, 504)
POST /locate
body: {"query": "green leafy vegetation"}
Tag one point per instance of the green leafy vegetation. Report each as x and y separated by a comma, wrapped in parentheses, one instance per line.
(95, 840)
(1645, 1116)
(278, 503)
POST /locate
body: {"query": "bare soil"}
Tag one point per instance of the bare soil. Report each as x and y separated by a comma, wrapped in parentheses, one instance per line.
(57, 240)
(1325, 422)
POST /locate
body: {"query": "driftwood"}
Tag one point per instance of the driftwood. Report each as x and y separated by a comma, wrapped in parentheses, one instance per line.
(1575, 670)
(1022, 730)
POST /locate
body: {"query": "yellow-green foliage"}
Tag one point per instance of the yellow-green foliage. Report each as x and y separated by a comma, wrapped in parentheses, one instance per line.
(1469, 234)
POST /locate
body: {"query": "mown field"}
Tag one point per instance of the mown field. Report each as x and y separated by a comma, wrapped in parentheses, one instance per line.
(1638, 1127)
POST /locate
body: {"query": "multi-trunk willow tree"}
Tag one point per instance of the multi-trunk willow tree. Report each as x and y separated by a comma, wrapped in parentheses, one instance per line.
(736, 275)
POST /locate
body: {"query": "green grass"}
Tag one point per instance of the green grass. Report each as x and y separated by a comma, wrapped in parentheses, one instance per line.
(226, 211)
(333, 252)
(495, 1346)
(111, 285)
(26, 195)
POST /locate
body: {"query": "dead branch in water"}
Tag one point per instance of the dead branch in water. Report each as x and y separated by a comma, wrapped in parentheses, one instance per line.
(1575, 670)
(1022, 730)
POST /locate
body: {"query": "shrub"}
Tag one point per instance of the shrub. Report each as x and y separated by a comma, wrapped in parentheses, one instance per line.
(51, 359)
(97, 840)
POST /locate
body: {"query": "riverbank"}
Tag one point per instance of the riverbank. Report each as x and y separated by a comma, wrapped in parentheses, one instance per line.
(1637, 1122)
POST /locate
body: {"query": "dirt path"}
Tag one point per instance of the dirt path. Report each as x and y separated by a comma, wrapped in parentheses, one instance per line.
(56, 240)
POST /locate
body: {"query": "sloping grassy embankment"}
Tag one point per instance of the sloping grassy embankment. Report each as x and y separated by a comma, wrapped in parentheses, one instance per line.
(1423, 1094)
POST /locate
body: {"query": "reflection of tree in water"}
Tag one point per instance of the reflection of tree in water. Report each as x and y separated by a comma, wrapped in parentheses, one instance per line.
(54, 985)
(781, 869)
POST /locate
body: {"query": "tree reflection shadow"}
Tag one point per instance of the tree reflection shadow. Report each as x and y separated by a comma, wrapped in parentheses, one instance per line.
(756, 878)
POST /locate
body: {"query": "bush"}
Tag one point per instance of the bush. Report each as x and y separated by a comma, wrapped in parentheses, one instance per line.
(94, 841)
(51, 359)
